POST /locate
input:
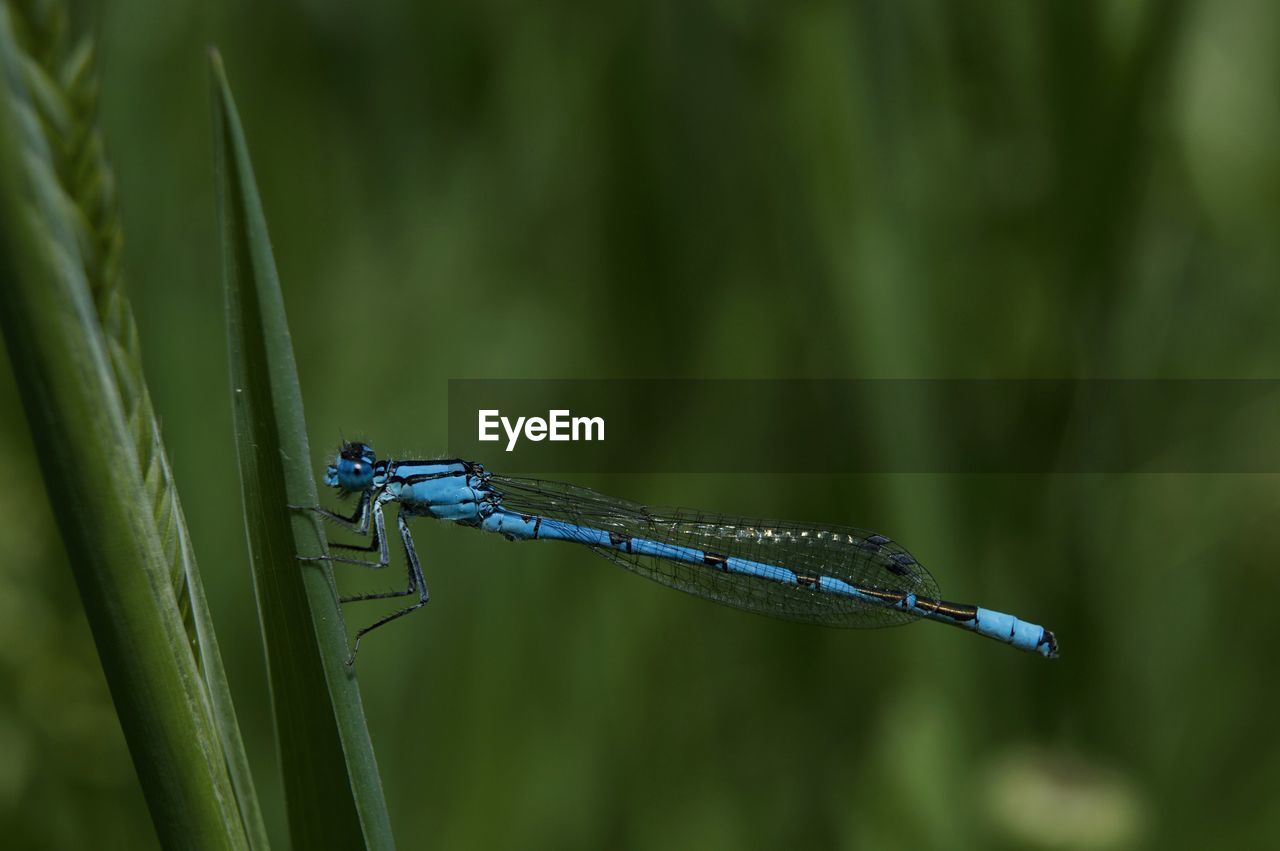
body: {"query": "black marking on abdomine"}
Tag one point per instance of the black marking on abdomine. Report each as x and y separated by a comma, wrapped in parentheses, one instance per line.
(620, 542)
(955, 611)
(809, 581)
(716, 560)
(890, 597)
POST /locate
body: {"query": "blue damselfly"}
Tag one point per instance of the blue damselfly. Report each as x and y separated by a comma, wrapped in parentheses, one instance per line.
(829, 575)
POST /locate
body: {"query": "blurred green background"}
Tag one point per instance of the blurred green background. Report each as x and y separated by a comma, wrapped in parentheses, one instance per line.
(724, 189)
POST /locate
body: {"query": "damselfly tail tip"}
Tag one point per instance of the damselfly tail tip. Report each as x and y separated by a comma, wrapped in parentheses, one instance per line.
(1048, 646)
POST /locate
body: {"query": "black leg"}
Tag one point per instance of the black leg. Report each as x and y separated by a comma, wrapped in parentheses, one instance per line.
(380, 595)
(379, 543)
(357, 522)
(415, 580)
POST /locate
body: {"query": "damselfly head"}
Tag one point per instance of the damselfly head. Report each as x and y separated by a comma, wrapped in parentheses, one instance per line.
(354, 468)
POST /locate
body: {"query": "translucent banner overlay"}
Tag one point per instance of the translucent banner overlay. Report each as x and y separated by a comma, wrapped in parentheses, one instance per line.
(868, 426)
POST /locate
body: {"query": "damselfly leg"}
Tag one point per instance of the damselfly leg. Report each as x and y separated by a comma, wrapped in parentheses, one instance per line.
(370, 512)
(416, 583)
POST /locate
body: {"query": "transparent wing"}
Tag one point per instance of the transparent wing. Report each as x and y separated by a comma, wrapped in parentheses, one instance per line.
(852, 555)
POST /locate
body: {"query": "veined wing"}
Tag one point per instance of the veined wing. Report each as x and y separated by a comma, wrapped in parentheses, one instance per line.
(857, 557)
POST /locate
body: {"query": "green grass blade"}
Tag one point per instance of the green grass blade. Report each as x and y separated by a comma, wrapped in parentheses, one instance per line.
(89, 456)
(332, 789)
(65, 92)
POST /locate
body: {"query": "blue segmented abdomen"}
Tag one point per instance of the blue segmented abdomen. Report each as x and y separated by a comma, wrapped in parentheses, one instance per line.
(628, 549)
(540, 528)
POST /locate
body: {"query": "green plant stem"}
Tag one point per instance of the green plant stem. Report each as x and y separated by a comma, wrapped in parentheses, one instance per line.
(92, 473)
(332, 790)
(64, 86)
